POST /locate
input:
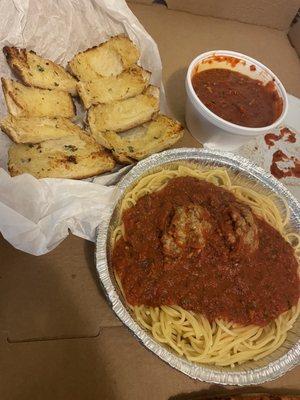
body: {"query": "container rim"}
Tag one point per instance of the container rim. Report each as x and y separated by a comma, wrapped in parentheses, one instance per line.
(243, 130)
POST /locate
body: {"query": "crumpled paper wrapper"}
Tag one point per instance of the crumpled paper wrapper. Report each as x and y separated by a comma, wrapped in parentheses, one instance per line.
(36, 215)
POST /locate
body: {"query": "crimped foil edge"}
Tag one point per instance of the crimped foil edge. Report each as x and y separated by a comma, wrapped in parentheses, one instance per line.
(254, 376)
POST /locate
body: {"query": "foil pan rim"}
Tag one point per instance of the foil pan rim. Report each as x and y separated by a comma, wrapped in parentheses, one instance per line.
(255, 376)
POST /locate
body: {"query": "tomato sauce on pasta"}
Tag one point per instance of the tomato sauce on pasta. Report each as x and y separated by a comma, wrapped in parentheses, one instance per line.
(194, 245)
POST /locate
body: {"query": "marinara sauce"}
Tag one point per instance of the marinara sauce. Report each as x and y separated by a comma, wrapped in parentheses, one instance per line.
(193, 244)
(237, 98)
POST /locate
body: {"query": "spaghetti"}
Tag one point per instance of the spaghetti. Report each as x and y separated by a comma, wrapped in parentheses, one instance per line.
(190, 334)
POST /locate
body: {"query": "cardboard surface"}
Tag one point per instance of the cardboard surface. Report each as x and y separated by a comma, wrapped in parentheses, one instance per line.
(111, 366)
(276, 14)
(182, 36)
(58, 337)
(52, 296)
(294, 35)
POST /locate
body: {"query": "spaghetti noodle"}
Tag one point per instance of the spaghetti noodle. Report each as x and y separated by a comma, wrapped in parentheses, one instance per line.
(192, 335)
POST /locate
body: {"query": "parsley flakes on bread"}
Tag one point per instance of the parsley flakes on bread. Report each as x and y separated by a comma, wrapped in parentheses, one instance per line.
(34, 70)
(27, 101)
(75, 156)
(122, 112)
(140, 142)
(36, 129)
(129, 83)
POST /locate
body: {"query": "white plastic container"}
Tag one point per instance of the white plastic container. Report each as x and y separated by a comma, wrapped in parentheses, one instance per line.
(208, 128)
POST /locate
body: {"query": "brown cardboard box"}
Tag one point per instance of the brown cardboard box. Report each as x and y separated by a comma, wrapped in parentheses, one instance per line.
(276, 14)
(58, 337)
(294, 35)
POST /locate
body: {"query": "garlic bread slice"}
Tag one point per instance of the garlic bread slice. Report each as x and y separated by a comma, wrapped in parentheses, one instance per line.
(128, 84)
(34, 70)
(107, 59)
(121, 115)
(76, 156)
(122, 159)
(36, 129)
(24, 101)
(138, 143)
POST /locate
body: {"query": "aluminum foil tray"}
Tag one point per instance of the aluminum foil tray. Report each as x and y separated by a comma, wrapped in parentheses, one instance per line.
(251, 373)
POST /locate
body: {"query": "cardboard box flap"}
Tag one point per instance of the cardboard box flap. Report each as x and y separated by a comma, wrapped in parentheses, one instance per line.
(57, 295)
(52, 296)
(39, 297)
(276, 14)
(113, 366)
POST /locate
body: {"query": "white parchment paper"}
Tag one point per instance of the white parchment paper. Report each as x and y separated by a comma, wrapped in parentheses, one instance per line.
(36, 215)
(258, 151)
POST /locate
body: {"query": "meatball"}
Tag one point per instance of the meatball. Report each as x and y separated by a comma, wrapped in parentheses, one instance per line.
(187, 231)
(239, 228)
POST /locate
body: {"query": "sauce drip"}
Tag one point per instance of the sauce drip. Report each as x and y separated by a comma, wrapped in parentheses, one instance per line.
(285, 133)
(290, 167)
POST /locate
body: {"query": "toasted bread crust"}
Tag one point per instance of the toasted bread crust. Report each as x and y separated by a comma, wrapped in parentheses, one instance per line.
(34, 70)
(129, 83)
(118, 52)
(124, 114)
(76, 157)
(9, 98)
(24, 101)
(123, 159)
(11, 53)
(119, 99)
(152, 137)
(9, 132)
(36, 129)
(100, 138)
